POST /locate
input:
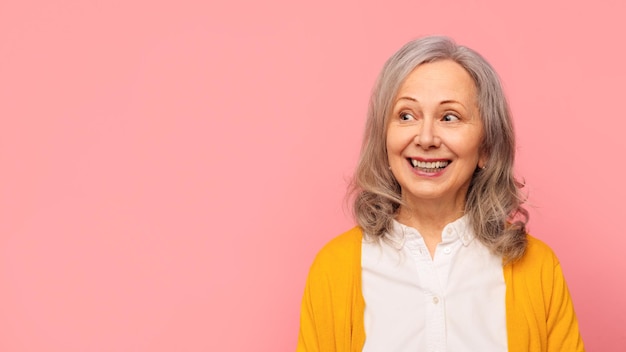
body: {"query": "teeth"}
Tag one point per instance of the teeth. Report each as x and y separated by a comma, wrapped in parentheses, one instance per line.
(429, 164)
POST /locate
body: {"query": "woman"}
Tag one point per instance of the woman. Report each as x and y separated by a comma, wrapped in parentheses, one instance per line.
(440, 259)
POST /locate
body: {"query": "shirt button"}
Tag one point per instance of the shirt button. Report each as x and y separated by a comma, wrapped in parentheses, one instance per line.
(447, 250)
(435, 300)
(449, 230)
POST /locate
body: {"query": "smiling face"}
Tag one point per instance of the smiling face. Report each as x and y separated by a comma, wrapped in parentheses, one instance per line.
(434, 134)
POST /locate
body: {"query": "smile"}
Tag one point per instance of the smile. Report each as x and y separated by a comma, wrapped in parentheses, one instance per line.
(429, 166)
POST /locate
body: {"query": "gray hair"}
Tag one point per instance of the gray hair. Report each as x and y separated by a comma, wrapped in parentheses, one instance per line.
(494, 201)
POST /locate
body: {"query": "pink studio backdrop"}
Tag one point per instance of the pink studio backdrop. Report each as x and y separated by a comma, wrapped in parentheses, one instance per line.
(170, 169)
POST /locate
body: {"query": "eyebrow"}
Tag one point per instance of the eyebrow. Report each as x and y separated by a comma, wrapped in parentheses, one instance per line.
(407, 98)
(448, 101)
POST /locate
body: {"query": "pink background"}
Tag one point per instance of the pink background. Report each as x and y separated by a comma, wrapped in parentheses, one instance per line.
(170, 169)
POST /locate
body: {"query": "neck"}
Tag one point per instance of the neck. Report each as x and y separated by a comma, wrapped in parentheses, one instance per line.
(429, 218)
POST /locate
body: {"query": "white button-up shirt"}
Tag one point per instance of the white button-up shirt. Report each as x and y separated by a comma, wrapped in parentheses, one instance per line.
(452, 302)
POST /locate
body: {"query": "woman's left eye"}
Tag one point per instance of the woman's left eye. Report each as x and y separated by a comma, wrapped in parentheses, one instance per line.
(450, 117)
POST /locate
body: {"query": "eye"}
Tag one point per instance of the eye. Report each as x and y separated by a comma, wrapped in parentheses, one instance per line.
(405, 116)
(450, 118)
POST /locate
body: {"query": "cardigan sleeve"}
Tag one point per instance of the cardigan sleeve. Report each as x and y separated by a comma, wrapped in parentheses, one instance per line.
(563, 332)
(316, 316)
(540, 312)
(331, 316)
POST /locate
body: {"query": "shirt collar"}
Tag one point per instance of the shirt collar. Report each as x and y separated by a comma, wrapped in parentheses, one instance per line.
(458, 229)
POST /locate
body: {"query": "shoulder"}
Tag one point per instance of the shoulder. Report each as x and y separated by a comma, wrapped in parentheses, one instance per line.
(538, 264)
(538, 253)
(338, 263)
(342, 251)
(538, 302)
(332, 307)
(346, 242)
(336, 271)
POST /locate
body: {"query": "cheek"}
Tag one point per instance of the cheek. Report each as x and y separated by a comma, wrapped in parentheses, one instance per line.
(397, 139)
(390, 144)
(466, 145)
(466, 150)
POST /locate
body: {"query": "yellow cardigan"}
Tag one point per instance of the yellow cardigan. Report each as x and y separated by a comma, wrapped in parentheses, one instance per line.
(539, 311)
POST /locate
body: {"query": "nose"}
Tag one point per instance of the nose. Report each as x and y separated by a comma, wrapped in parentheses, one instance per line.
(427, 136)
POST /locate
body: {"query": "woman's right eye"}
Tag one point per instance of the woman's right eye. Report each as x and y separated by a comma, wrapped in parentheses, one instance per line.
(405, 116)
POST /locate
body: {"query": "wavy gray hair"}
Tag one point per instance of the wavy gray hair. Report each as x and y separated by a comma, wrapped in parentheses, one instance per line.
(494, 201)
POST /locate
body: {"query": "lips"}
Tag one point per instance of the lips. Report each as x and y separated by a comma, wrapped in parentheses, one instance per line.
(429, 166)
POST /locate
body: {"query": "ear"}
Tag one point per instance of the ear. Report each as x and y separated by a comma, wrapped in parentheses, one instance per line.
(482, 161)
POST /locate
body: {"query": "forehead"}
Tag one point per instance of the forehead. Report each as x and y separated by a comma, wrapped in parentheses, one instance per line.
(439, 81)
